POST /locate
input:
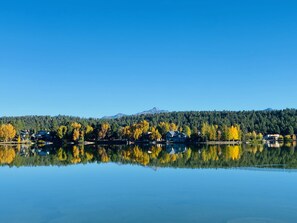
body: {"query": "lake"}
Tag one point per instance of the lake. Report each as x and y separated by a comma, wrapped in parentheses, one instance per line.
(234, 184)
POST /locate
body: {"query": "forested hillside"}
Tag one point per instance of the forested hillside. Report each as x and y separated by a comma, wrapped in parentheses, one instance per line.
(276, 121)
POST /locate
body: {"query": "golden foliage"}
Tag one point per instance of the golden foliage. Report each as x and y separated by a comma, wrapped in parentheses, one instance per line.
(103, 130)
(61, 154)
(7, 155)
(233, 152)
(187, 130)
(7, 132)
(103, 154)
(168, 158)
(75, 152)
(173, 127)
(135, 154)
(75, 134)
(155, 152)
(135, 131)
(164, 127)
(140, 156)
(76, 125)
(89, 156)
(155, 135)
(61, 132)
(89, 129)
(209, 131)
(188, 154)
(210, 154)
(234, 132)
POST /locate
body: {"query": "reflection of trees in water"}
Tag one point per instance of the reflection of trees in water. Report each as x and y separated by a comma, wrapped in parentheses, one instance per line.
(103, 155)
(232, 152)
(7, 155)
(206, 156)
(136, 155)
(62, 155)
(212, 153)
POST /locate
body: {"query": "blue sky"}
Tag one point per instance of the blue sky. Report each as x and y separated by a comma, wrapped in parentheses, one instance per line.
(95, 58)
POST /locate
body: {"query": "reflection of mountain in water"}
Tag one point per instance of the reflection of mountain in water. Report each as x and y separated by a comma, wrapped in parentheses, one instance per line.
(171, 155)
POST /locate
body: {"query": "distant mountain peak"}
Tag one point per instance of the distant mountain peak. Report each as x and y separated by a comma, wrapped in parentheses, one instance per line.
(154, 110)
(119, 115)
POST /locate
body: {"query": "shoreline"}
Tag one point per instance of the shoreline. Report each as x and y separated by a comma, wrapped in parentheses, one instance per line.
(126, 142)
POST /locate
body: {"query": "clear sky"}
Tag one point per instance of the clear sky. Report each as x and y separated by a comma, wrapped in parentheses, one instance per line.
(95, 58)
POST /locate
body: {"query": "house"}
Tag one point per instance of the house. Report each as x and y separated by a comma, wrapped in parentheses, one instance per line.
(24, 134)
(42, 135)
(272, 137)
(176, 137)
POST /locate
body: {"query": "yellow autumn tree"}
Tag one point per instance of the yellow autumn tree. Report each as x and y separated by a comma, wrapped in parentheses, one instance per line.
(209, 131)
(234, 133)
(137, 133)
(205, 130)
(187, 130)
(125, 132)
(155, 135)
(213, 132)
(7, 132)
(76, 130)
(103, 130)
(89, 131)
(163, 127)
(144, 126)
(76, 125)
(173, 127)
(75, 134)
(61, 131)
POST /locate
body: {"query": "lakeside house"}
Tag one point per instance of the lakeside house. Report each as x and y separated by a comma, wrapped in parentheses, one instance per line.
(42, 135)
(176, 137)
(24, 134)
(272, 137)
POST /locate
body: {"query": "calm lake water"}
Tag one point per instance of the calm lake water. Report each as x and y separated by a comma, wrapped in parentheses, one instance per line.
(138, 185)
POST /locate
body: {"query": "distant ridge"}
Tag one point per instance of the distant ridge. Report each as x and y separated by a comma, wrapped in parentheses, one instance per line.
(119, 115)
(269, 109)
(152, 111)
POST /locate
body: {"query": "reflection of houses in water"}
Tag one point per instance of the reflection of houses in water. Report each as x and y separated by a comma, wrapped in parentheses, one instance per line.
(40, 151)
(273, 144)
(272, 137)
(176, 137)
(175, 148)
(27, 151)
(24, 150)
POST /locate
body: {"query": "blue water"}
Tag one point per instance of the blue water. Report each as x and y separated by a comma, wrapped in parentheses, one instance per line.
(125, 193)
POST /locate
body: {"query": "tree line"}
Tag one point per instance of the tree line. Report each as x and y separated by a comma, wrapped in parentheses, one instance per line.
(212, 125)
